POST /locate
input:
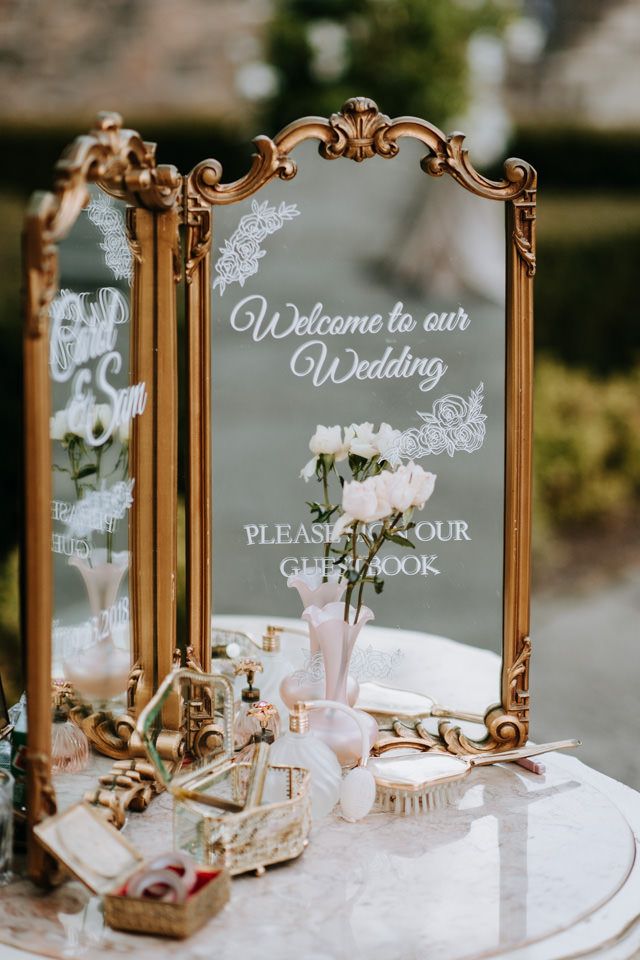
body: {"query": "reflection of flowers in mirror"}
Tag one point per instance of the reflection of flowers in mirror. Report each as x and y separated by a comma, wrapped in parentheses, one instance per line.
(90, 466)
(359, 440)
(378, 492)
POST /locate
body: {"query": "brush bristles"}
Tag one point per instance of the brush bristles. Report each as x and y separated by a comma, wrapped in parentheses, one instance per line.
(405, 803)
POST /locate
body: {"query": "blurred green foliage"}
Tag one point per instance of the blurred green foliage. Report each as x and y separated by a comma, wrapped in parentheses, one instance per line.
(409, 55)
(10, 651)
(580, 159)
(587, 446)
(29, 153)
(586, 288)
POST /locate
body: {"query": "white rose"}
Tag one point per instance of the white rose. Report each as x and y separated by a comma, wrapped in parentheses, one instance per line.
(363, 443)
(364, 501)
(59, 425)
(409, 486)
(326, 440)
(309, 469)
(124, 431)
(101, 415)
(386, 438)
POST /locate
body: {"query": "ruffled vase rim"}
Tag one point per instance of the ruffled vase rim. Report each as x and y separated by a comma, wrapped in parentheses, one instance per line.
(335, 612)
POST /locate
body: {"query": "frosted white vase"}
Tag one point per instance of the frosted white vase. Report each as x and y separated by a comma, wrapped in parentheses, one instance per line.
(310, 684)
(100, 671)
(336, 639)
(314, 593)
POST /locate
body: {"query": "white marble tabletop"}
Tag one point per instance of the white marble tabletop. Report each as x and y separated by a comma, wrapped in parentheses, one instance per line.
(520, 866)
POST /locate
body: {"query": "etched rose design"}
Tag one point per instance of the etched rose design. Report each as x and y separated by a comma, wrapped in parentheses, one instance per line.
(110, 222)
(450, 411)
(432, 438)
(254, 228)
(468, 436)
(247, 248)
(454, 425)
(272, 220)
(240, 256)
(226, 268)
(409, 445)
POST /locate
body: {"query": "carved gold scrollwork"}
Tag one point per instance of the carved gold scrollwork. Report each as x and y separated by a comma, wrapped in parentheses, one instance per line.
(100, 729)
(359, 132)
(268, 162)
(524, 227)
(518, 681)
(198, 239)
(132, 239)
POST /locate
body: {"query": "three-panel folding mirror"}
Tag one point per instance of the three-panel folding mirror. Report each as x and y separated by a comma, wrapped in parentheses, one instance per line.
(387, 300)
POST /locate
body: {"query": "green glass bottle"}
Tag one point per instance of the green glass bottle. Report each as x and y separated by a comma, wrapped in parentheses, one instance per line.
(18, 758)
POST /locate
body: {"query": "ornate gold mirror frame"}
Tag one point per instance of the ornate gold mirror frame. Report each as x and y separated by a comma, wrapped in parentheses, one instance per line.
(358, 132)
(159, 199)
(124, 166)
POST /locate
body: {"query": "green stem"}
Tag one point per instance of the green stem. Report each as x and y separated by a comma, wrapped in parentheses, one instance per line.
(327, 506)
(374, 549)
(354, 560)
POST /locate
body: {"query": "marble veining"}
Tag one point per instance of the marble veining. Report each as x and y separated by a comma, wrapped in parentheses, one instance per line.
(516, 858)
(517, 863)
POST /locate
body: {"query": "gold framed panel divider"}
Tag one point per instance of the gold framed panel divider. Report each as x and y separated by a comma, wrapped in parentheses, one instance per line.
(124, 166)
(160, 200)
(358, 132)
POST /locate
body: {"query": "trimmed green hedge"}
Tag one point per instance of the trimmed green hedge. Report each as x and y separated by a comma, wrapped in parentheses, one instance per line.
(586, 447)
(29, 153)
(579, 159)
(586, 299)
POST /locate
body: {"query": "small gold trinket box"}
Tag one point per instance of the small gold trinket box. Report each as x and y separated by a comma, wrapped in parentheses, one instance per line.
(94, 852)
(214, 819)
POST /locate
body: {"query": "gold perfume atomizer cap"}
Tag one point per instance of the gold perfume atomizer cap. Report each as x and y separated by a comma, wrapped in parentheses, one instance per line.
(299, 718)
(271, 640)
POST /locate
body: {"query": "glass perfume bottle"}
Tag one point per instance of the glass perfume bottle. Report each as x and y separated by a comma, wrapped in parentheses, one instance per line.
(69, 745)
(300, 748)
(247, 727)
(18, 754)
(275, 668)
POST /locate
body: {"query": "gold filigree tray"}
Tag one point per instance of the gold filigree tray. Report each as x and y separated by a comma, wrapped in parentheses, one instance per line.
(244, 839)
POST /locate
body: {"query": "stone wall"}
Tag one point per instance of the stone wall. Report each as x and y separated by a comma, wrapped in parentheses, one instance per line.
(63, 60)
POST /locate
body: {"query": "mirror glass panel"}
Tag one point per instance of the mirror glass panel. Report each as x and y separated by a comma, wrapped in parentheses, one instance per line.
(93, 403)
(364, 294)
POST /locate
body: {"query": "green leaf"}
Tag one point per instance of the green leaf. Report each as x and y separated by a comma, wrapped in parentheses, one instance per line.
(401, 541)
(378, 586)
(86, 471)
(356, 463)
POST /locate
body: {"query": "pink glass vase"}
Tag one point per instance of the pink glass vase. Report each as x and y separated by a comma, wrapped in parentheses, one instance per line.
(309, 684)
(336, 640)
(100, 671)
(314, 593)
